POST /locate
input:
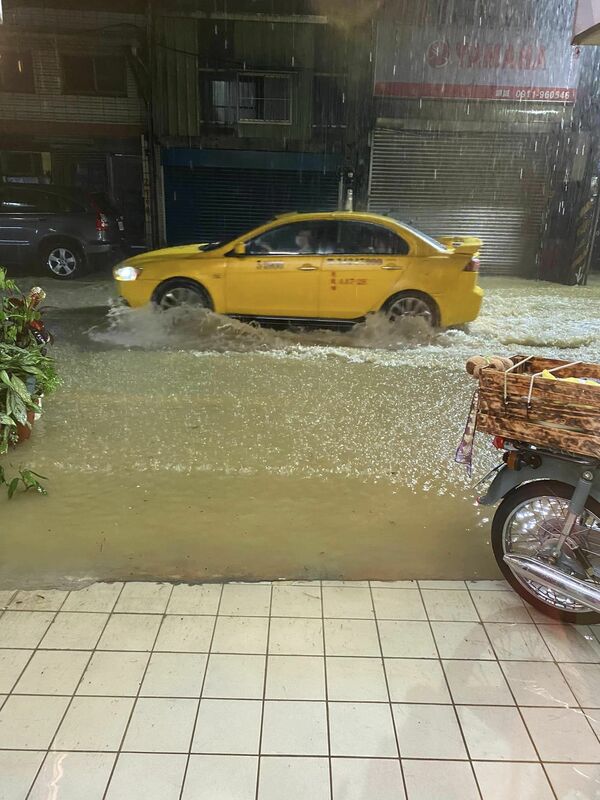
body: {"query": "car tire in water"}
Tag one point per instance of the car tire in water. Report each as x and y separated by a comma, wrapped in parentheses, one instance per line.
(62, 260)
(180, 292)
(521, 498)
(412, 304)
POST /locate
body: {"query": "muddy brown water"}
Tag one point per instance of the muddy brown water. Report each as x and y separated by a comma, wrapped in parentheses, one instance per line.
(190, 447)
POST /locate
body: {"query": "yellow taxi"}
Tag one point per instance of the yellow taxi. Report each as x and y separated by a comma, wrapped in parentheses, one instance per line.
(328, 268)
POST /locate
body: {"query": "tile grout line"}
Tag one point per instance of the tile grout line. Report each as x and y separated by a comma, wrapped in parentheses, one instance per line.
(554, 661)
(579, 707)
(303, 755)
(279, 616)
(208, 655)
(112, 614)
(122, 741)
(520, 713)
(329, 756)
(32, 652)
(72, 697)
(8, 602)
(456, 717)
(305, 700)
(294, 655)
(264, 694)
(60, 722)
(387, 686)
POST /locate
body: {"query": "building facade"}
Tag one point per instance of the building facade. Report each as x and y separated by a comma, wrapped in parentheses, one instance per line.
(202, 119)
(475, 122)
(71, 109)
(255, 113)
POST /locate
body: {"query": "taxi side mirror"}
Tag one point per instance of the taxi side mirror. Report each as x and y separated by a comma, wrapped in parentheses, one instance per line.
(240, 249)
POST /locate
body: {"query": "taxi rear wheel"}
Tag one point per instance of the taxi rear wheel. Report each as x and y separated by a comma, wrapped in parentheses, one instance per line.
(412, 304)
(176, 293)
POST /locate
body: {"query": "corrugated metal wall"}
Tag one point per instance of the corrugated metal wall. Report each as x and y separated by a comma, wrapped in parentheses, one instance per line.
(492, 185)
(214, 203)
(177, 106)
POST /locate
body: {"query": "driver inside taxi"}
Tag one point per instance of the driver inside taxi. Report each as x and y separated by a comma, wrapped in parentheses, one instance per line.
(304, 242)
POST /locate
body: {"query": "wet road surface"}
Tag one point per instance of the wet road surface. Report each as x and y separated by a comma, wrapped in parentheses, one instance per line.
(188, 446)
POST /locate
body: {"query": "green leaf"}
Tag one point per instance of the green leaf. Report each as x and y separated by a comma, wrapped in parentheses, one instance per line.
(6, 420)
(17, 408)
(27, 478)
(21, 389)
(12, 487)
(5, 379)
(37, 475)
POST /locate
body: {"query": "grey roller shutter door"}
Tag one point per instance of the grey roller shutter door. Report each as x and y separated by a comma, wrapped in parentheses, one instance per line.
(491, 185)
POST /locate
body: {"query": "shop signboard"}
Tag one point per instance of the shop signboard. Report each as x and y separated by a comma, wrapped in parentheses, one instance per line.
(479, 63)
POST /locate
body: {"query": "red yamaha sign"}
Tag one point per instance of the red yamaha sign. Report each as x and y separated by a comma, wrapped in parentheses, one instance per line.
(419, 62)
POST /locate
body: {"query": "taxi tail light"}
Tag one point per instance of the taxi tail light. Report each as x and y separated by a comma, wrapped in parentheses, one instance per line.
(473, 265)
(498, 442)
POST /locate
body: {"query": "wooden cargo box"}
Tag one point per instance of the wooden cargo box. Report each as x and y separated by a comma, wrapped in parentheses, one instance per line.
(522, 405)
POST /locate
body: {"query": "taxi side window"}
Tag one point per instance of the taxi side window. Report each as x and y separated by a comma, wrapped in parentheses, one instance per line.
(299, 238)
(360, 237)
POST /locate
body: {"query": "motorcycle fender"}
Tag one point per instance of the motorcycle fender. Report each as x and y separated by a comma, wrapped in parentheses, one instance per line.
(552, 469)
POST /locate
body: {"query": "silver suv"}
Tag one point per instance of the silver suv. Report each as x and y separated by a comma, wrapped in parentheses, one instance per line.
(61, 231)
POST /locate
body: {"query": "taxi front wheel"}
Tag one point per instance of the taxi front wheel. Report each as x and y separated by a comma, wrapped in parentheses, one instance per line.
(412, 304)
(173, 294)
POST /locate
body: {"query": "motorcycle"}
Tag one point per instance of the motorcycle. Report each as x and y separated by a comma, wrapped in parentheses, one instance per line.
(546, 531)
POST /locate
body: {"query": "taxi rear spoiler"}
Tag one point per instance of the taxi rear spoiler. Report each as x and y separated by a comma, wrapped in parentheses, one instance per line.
(462, 245)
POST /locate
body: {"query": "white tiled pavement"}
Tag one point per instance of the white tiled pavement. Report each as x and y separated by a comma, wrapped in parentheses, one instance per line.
(294, 691)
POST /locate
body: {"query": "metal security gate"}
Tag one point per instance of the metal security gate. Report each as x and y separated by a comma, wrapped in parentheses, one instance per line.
(217, 203)
(491, 185)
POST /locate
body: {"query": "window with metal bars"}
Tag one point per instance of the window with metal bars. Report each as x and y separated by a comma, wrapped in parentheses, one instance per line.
(264, 98)
(229, 98)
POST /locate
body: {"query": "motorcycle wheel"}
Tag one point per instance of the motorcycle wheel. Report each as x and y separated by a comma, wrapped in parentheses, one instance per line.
(539, 502)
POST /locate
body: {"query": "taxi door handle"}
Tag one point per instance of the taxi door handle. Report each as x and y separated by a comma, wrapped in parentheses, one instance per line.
(307, 268)
(385, 266)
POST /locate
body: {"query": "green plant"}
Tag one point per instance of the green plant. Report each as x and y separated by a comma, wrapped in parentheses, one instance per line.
(26, 372)
(25, 375)
(20, 318)
(15, 402)
(27, 477)
(30, 364)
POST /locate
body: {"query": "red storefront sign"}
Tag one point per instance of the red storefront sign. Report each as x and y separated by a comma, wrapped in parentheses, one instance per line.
(489, 65)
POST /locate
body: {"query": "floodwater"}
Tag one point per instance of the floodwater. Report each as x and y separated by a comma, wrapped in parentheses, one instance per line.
(191, 447)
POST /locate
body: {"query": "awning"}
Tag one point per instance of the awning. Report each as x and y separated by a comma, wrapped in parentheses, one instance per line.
(587, 22)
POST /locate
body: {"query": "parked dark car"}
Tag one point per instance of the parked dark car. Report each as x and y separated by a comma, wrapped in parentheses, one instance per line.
(63, 232)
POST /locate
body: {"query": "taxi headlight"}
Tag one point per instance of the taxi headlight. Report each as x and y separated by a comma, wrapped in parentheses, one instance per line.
(124, 272)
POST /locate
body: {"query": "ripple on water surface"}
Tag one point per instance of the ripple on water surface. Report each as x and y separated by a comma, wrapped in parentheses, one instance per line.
(296, 441)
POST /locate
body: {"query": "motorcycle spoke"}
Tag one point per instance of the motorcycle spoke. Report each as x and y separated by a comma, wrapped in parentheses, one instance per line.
(534, 526)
